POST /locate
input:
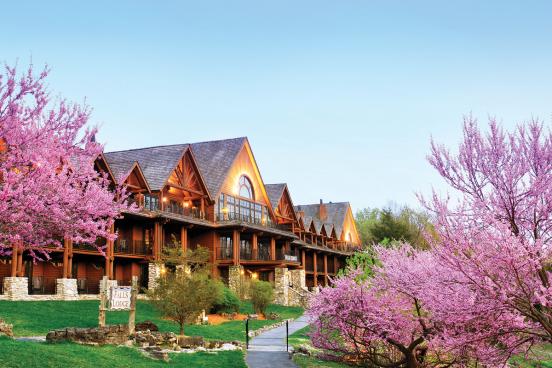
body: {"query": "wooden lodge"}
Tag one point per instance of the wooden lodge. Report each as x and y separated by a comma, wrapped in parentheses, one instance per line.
(208, 194)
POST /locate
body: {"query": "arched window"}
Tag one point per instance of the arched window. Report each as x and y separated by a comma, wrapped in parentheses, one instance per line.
(246, 189)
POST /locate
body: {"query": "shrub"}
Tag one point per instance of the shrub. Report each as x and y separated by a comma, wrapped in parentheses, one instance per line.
(228, 302)
(262, 295)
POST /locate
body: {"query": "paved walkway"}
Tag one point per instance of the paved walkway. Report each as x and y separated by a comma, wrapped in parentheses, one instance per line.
(268, 350)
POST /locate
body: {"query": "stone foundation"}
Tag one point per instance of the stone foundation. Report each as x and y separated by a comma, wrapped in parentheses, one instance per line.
(16, 288)
(154, 273)
(235, 280)
(299, 293)
(66, 289)
(281, 286)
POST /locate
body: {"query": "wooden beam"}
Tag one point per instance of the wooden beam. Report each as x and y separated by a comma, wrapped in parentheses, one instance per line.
(157, 240)
(236, 247)
(325, 270)
(315, 268)
(65, 257)
(273, 249)
(186, 189)
(303, 259)
(255, 246)
(14, 261)
(184, 238)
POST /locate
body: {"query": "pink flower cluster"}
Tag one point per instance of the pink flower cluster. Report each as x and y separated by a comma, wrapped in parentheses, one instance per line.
(482, 292)
(49, 187)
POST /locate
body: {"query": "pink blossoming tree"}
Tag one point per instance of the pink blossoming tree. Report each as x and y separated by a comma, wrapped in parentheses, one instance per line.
(49, 188)
(484, 286)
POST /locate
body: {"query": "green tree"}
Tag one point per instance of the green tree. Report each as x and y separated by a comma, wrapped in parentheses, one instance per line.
(186, 288)
(388, 225)
(364, 260)
(262, 295)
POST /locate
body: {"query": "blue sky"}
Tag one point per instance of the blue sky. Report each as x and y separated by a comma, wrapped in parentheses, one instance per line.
(338, 98)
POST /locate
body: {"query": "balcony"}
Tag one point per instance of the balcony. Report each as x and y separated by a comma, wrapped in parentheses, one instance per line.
(292, 256)
(225, 253)
(229, 217)
(87, 247)
(134, 247)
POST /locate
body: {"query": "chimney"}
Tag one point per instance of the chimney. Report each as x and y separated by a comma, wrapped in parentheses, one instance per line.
(323, 212)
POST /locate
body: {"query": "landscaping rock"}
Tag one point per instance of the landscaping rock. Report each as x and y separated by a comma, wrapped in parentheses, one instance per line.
(155, 352)
(6, 329)
(113, 335)
(253, 316)
(273, 316)
(191, 342)
(155, 338)
(146, 325)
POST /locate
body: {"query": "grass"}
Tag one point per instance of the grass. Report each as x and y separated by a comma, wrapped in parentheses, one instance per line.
(37, 318)
(16, 354)
(301, 337)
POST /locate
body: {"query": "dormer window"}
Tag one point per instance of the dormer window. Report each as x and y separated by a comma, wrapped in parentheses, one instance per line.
(245, 188)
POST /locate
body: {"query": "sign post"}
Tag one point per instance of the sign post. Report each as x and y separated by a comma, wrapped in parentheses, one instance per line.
(120, 298)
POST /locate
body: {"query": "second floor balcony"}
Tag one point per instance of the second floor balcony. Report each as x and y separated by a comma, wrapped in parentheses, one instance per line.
(133, 247)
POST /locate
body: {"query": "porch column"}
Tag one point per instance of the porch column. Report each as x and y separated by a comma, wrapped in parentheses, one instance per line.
(157, 239)
(108, 256)
(336, 268)
(20, 270)
(272, 249)
(255, 246)
(14, 260)
(70, 264)
(184, 238)
(315, 268)
(236, 247)
(303, 259)
(325, 270)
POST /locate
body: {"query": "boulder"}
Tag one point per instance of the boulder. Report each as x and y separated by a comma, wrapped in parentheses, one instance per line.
(112, 335)
(190, 342)
(6, 329)
(146, 325)
(273, 316)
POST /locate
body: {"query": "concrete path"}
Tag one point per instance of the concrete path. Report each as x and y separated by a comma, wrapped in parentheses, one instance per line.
(268, 350)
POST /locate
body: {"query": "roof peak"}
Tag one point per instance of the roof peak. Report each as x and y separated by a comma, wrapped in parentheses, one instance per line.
(178, 144)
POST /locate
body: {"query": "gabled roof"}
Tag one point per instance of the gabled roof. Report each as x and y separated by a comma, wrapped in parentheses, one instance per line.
(328, 229)
(275, 192)
(317, 225)
(157, 163)
(336, 214)
(214, 160)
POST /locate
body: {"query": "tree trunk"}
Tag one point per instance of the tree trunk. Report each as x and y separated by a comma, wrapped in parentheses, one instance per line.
(182, 329)
(411, 361)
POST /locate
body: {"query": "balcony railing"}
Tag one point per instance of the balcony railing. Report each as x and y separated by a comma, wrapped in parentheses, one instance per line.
(42, 285)
(184, 211)
(225, 253)
(85, 246)
(126, 246)
(246, 253)
(250, 220)
(292, 256)
(263, 253)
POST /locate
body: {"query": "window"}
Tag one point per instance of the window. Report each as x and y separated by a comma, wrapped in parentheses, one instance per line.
(151, 202)
(246, 189)
(226, 250)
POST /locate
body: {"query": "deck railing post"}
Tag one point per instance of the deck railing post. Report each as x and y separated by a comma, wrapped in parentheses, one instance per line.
(247, 333)
(287, 336)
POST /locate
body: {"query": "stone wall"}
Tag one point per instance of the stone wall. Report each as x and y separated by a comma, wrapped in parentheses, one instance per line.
(154, 273)
(281, 286)
(113, 334)
(66, 289)
(235, 280)
(299, 293)
(16, 288)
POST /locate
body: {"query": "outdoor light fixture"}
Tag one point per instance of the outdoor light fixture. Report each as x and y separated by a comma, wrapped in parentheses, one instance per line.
(254, 275)
(186, 204)
(224, 210)
(164, 199)
(163, 270)
(242, 272)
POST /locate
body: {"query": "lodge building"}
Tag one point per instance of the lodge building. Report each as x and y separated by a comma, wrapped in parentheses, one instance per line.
(208, 194)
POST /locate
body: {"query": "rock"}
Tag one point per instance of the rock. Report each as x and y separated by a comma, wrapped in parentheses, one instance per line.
(272, 316)
(252, 316)
(190, 342)
(113, 334)
(156, 353)
(146, 325)
(155, 338)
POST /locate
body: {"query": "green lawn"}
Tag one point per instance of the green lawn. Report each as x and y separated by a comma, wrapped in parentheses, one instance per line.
(15, 354)
(300, 338)
(37, 318)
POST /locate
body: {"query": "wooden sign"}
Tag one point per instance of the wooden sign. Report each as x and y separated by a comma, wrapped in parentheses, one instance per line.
(120, 298)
